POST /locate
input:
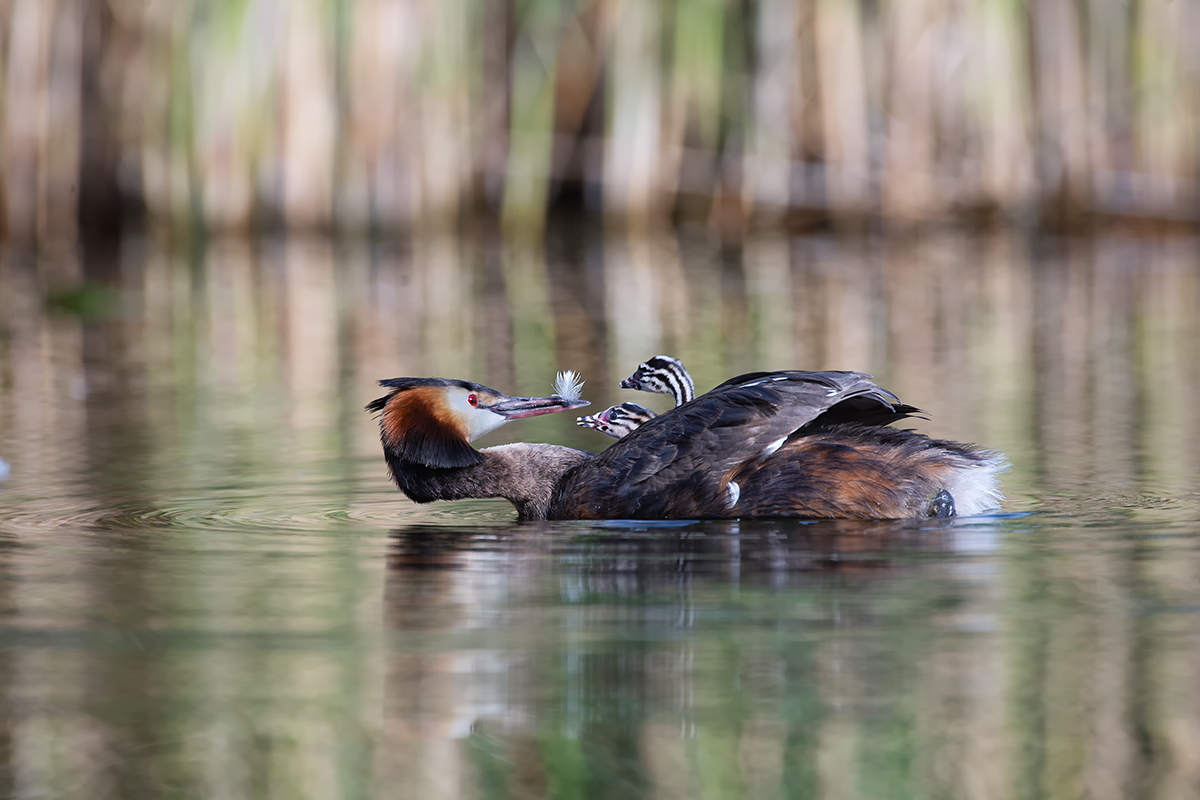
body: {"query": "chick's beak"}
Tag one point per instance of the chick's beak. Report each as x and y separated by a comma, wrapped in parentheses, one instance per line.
(631, 383)
(521, 407)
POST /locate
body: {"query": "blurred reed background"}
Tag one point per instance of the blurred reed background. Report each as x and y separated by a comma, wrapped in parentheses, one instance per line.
(386, 114)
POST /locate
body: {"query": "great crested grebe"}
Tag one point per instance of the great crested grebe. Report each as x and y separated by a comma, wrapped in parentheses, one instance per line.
(765, 444)
(663, 375)
(617, 421)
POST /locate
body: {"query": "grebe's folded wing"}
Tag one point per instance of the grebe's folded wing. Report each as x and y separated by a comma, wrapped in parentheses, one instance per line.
(832, 397)
(678, 464)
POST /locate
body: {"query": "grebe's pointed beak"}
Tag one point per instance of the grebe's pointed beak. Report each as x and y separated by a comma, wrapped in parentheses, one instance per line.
(521, 407)
(631, 383)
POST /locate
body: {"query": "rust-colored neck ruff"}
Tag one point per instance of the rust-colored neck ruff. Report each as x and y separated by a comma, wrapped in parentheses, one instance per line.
(416, 428)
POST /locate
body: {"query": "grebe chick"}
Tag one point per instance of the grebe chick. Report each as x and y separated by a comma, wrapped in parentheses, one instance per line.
(617, 421)
(663, 375)
(767, 444)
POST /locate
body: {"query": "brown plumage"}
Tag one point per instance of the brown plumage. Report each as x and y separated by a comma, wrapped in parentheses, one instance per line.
(795, 444)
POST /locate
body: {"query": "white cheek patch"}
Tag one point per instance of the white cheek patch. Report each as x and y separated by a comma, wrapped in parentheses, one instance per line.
(732, 493)
(473, 422)
(482, 421)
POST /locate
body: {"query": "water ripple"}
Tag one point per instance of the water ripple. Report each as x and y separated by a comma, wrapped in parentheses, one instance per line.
(274, 513)
(303, 509)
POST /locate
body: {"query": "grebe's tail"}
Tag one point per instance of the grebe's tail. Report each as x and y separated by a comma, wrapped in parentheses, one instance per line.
(975, 485)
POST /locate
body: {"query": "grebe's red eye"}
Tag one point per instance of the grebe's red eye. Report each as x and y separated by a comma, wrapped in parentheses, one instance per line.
(473, 400)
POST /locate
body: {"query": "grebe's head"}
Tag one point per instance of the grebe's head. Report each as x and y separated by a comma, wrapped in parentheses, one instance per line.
(430, 421)
(617, 421)
(662, 375)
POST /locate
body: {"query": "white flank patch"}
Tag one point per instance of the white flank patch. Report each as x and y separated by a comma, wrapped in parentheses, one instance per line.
(761, 381)
(732, 493)
(568, 385)
(773, 446)
(975, 488)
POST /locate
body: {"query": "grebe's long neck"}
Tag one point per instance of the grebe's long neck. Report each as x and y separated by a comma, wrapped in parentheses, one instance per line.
(525, 474)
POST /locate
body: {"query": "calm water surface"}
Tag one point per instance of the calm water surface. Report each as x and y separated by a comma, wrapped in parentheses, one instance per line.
(209, 589)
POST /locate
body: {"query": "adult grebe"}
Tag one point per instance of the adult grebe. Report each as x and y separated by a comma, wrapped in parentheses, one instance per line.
(766, 444)
(617, 421)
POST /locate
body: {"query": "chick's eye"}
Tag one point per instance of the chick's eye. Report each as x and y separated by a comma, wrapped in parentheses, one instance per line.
(473, 400)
